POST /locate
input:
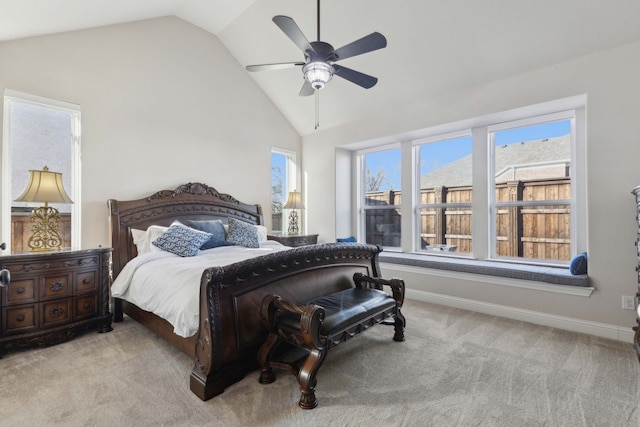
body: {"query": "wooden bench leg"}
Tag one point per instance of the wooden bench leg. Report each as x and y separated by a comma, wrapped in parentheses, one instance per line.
(398, 326)
(307, 378)
(266, 372)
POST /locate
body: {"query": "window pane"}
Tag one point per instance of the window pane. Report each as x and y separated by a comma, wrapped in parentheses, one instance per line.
(382, 188)
(381, 174)
(40, 136)
(383, 227)
(445, 179)
(533, 163)
(278, 189)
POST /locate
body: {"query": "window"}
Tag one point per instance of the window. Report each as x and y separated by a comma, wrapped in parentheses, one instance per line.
(39, 132)
(531, 188)
(381, 197)
(283, 180)
(509, 186)
(445, 195)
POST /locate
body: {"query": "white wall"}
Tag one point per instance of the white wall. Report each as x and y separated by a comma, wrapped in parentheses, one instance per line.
(612, 84)
(163, 103)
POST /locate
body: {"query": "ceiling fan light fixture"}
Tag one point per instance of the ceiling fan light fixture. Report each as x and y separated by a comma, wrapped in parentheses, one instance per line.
(318, 73)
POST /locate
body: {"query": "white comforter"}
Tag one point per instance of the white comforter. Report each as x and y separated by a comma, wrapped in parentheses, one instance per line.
(169, 285)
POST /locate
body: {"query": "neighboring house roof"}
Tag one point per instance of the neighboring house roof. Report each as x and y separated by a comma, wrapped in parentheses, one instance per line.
(524, 160)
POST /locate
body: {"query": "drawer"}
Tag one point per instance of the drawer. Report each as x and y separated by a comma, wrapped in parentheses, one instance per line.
(55, 312)
(86, 282)
(19, 319)
(20, 292)
(55, 286)
(86, 306)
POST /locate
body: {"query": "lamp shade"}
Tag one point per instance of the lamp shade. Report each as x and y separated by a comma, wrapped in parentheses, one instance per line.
(294, 201)
(45, 187)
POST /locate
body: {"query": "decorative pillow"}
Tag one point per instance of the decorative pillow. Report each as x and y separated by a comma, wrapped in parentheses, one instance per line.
(213, 227)
(243, 234)
(262, 232)
(181, 240)
(578, 264)
(349, 239)
(142, 239)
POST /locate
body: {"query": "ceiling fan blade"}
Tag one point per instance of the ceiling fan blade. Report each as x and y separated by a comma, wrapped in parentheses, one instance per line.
(364, 80)
(291, 29)
(268, 67)
(306, 89)
(373, 41)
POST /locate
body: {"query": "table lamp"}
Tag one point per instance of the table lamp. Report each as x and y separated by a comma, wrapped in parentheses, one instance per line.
(45, 187)
(294, 202)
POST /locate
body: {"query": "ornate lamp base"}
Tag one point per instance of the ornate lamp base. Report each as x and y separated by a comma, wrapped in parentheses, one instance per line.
(293, 222)
(45, 229)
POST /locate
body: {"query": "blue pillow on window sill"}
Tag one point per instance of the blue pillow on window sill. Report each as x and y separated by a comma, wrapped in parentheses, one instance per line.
(349, 239)
(578, 264)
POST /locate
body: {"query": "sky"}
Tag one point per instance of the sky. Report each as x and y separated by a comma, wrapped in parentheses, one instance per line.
(434, 155)
(437, 154)
(278, 161)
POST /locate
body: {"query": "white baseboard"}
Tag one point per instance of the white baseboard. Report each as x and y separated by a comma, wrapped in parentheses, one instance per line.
(561, 322)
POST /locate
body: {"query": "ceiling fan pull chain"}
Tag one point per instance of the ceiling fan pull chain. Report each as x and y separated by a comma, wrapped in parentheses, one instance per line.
(317, 109)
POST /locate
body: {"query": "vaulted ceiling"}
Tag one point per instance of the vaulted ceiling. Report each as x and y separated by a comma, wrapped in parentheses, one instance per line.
(434, 46)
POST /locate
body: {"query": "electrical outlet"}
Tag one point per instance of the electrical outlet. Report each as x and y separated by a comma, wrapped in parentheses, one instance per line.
(628, 302)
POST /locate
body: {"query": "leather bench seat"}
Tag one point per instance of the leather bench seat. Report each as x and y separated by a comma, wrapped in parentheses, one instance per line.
(310, 329)
(343, 309)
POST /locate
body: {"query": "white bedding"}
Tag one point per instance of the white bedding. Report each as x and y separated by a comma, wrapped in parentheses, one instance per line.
(169, 285)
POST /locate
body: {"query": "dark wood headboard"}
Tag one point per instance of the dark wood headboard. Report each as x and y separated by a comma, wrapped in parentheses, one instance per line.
(192, 201)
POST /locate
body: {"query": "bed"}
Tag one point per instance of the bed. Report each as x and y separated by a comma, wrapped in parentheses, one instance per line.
(229, 332)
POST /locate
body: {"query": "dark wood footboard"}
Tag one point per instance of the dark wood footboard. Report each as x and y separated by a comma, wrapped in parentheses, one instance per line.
(231, 334)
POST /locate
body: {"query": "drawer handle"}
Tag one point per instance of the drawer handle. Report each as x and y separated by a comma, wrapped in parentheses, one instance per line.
(20, 318)
(87, 306)
(56, 286)
(86, 281)
(5, 277)
(20, 291)
(56, 312)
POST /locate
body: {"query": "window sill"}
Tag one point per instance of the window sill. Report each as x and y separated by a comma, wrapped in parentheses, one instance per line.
(528, 276)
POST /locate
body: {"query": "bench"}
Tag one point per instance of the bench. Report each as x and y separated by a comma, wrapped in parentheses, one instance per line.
(307, 331)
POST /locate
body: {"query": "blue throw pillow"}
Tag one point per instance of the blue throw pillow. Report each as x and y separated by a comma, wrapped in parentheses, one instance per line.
(181, 240)
(215, 228)
(578, 264)
(243, 234)
(349, 239)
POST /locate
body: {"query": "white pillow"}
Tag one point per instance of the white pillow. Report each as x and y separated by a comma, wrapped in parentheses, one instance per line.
(142, 239)
(138, 237)
(262, 233)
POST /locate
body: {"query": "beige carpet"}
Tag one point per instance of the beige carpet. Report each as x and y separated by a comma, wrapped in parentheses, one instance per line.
(456, 368)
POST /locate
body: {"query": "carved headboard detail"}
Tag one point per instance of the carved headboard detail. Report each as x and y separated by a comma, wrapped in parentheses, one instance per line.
(191, 201)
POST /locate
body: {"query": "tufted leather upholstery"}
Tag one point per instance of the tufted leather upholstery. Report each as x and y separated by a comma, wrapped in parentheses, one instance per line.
(343, 309)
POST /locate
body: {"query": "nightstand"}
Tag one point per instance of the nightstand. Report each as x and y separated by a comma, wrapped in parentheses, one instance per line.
(52, 296)
(294, 240)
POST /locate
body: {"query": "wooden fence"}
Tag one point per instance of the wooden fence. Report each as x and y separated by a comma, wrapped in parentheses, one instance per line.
(535, 232)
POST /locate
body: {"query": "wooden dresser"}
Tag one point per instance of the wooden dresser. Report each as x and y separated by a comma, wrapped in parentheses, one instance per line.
(53, 296)
(294, 240)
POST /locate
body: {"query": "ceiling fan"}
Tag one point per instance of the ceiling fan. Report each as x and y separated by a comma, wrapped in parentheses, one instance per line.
(320, 65)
